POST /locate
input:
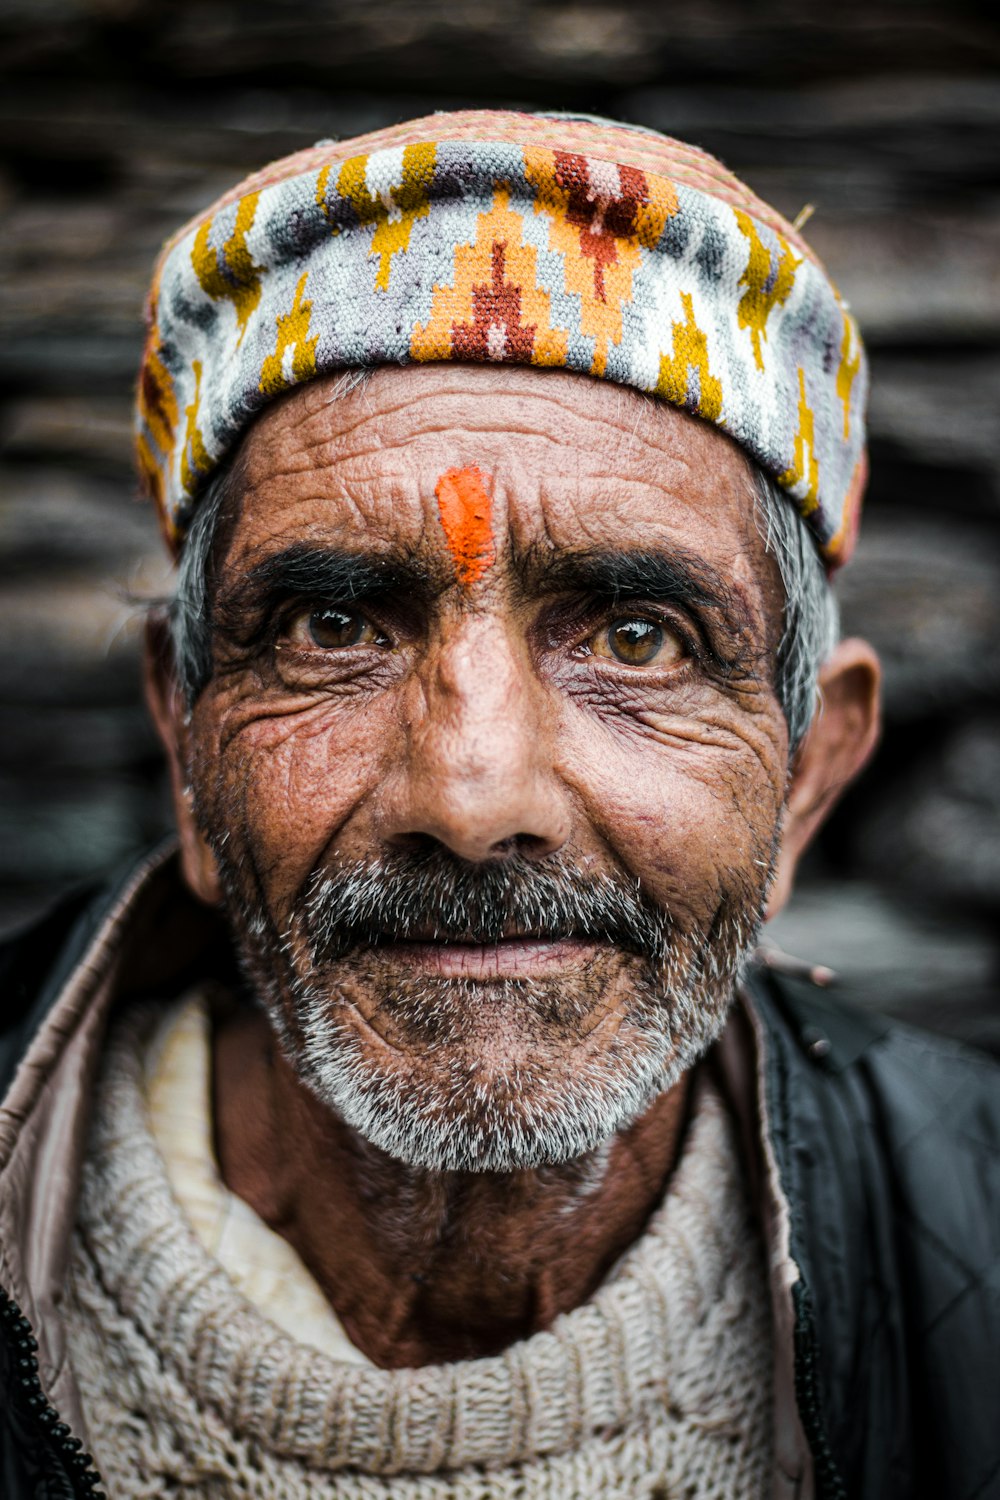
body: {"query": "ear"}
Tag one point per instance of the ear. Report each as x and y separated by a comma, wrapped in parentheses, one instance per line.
(167, 706)
(843, 734)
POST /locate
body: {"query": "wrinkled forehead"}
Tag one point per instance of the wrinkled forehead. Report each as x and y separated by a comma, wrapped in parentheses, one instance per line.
(558, 459)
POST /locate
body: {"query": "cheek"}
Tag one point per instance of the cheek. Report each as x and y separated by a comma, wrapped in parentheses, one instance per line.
(691, 813)
(285, 786)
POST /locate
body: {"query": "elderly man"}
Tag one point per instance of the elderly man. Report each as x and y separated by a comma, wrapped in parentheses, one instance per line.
(423, 1125)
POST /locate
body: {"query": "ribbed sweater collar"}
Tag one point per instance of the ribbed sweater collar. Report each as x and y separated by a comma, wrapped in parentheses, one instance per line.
(657, 1333)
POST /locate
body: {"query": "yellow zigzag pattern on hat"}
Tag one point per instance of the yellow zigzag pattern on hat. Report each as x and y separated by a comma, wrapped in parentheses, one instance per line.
(233, 277)
(393, 210)
(802, 477)
(293, 336)
(767, 286)
(690, 352)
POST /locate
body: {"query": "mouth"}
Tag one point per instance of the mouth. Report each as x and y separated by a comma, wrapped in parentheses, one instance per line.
(517, 956)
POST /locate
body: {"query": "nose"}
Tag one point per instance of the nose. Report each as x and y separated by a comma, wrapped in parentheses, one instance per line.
(477, 775)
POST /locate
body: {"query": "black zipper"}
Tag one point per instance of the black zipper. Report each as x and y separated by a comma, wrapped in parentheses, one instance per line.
(829, 1485)
(808, 1396)
(34, 1414)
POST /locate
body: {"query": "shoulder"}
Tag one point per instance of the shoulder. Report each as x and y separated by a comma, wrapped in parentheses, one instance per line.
(887, 1142)
(37, 962)
(141, 931)
(916, 1112)
(921, 1082)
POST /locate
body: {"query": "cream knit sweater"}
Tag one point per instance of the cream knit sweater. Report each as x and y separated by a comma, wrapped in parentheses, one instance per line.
(658, 1387)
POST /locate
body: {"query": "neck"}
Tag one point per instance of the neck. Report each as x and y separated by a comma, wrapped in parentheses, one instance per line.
(420, 1266)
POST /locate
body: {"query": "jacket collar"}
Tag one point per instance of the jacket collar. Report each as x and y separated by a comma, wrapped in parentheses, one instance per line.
(139, 933)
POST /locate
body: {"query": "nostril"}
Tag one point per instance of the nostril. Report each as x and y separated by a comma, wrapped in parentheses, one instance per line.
(426, 846)
(528, 845)
(417, 845)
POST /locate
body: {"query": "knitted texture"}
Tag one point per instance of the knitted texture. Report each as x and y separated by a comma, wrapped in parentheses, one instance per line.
(487, 235)
(261, 1265)
(659, 1386)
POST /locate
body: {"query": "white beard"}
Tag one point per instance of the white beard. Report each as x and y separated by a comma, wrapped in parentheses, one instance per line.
(447, 1108)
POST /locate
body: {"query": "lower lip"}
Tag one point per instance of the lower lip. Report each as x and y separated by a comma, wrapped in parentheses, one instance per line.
(524, 957)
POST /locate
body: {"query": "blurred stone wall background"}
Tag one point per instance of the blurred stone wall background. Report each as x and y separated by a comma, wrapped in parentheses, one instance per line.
(119, 118)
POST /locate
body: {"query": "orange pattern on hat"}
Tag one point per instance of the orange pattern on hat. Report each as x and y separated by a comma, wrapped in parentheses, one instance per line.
(603, 215)
(495, 310)
(159, 404)
(158, 410)
(194, 455)
(464, 506)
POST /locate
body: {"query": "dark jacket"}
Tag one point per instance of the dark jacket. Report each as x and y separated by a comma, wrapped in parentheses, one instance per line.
(885, 1146)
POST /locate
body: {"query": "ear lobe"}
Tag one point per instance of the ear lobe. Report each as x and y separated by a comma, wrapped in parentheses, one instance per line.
(841, 739)
(166, 705)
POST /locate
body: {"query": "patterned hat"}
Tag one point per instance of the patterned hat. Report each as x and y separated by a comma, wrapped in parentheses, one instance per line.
(515, 238)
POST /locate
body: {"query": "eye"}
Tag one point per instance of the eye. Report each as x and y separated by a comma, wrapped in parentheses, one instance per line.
(637, 642)
(331, 628)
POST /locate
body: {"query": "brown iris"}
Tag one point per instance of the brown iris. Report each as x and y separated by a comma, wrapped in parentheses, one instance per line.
(331, 628)
(637, 642)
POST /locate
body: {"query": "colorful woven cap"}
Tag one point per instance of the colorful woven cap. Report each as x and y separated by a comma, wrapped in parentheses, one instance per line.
(487, 235)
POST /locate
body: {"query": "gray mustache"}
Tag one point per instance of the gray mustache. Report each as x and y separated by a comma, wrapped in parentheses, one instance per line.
(435, 897)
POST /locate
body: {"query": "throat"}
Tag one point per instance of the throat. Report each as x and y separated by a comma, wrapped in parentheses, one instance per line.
(423, 1267)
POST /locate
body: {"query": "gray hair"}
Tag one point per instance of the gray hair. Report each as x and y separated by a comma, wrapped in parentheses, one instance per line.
(810, 630)
(811, 624)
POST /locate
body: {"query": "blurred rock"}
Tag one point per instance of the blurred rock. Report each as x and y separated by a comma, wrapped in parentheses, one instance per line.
(67, 740)
(59, 518)
(944, 414)
(68, 430)
(937, 830)
(927, 595)
(75, 829)
(67, 639)
(855, 146)
(911, 277)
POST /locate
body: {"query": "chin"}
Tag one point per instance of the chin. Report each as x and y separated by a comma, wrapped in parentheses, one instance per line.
(482, 1103)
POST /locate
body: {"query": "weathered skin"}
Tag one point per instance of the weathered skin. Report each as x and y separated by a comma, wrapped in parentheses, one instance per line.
(486, 716)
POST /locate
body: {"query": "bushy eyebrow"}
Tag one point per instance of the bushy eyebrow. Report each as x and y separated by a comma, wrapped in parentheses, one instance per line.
(624, 573)
(307, 571)
(636, 573)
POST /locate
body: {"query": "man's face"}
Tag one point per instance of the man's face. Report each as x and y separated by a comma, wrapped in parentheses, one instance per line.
(491, 762)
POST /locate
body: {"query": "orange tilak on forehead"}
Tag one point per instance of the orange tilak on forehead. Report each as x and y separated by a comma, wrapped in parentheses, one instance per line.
(464, 507)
